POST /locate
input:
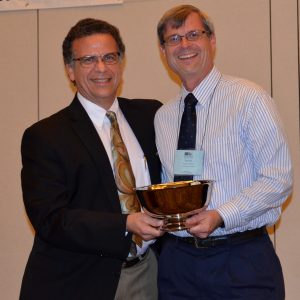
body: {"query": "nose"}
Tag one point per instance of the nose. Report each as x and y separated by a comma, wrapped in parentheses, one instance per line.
(100, 65)
(184, 42)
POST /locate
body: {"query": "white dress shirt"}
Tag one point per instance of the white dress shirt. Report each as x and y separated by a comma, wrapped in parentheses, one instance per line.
(137, 159)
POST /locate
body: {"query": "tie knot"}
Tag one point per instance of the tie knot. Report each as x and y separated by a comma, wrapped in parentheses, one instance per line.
(111, 116)
(190, 100)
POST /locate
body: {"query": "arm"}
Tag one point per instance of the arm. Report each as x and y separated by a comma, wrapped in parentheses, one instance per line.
(267, 149)
(263, 173)
(65, 198)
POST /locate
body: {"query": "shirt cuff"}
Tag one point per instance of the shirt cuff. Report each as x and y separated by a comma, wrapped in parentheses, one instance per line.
(230, 215)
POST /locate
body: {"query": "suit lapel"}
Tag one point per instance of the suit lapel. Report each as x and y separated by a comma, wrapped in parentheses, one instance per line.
(85, 129)
(135, 122)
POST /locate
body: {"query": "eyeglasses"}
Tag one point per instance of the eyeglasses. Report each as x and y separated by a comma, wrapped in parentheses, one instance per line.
(193, 35)
(91, 60)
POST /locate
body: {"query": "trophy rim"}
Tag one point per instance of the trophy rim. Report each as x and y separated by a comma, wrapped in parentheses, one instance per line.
(173, 185)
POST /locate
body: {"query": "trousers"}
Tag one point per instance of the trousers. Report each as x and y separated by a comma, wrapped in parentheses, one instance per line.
(139, 282)
(247, 270)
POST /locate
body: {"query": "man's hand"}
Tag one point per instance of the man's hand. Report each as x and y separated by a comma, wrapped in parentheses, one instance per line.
(204, 223)
(146, 227)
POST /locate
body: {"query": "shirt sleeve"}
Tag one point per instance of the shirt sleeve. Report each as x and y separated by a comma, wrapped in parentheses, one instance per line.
(268, 150)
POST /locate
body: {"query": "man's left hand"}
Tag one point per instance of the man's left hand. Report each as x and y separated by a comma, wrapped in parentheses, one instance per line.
(204, 223)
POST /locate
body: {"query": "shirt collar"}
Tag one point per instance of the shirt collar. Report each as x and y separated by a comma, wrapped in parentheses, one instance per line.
(206, 87)
(96, 113)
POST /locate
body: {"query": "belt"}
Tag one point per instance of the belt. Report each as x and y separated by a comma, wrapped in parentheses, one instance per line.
(130, 262)
(219, 240)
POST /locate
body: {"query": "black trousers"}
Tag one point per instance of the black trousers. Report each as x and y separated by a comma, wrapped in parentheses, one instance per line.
(246, 270)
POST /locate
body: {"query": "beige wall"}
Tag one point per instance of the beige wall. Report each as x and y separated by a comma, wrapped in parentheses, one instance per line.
(33, 85)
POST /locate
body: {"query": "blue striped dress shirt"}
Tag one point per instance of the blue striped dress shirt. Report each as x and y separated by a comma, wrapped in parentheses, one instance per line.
(245, 150)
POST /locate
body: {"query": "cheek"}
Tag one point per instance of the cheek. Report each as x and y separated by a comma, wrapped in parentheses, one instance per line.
(170, 57)
(118, 77)
(207, 55)
(83, 77)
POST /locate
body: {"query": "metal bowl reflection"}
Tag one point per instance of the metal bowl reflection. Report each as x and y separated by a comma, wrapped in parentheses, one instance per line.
(175, 201)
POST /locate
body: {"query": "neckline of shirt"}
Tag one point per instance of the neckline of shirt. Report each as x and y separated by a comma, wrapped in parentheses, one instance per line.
(205, 88)
(96, 113)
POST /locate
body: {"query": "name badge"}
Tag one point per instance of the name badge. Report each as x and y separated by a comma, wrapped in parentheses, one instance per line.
(188, 162)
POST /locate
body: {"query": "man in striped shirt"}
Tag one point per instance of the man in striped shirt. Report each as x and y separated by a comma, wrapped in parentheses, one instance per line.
(226, 253)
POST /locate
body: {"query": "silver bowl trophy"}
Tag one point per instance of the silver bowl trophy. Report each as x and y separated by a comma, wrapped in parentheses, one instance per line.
(174, 202)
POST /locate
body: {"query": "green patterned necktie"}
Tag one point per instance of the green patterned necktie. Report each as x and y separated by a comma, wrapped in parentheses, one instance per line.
(124, 176)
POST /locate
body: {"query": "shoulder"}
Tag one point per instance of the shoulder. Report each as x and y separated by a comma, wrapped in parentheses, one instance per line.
(243, 94)
(246, 98)
(143, 104)
(169, 108)
(141, 109)
(50, 127)
(240, 85)
(51, 121)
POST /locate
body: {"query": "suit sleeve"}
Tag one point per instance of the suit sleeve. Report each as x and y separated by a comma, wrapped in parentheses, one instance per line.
(60, 201)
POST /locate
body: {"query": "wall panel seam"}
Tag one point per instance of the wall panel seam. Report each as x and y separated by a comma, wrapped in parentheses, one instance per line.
(298, 62)
(38, 63)
(271, 83)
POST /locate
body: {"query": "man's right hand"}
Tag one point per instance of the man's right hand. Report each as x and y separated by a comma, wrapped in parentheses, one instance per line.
(146, 227)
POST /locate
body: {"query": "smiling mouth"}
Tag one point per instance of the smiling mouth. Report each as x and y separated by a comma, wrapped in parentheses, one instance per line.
(187, 56)
(102, 80)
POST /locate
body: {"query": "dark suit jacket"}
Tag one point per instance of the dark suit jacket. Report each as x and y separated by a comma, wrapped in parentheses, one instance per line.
(72, 202)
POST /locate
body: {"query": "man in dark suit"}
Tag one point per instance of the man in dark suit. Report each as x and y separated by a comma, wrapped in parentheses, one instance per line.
(83, 238)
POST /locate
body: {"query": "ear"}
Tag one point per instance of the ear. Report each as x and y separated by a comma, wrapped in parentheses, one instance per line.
(213, 41)
(70, 72)
(162, 50)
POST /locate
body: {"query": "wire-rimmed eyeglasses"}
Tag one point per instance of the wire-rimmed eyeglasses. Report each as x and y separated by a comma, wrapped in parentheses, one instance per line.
(192, 35)
(91, 60)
